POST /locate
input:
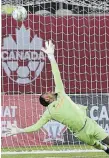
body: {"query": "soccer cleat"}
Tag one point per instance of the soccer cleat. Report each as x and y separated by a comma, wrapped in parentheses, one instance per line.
(107, 151)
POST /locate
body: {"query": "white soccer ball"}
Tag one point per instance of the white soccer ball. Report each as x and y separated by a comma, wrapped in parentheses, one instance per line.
(19, 13)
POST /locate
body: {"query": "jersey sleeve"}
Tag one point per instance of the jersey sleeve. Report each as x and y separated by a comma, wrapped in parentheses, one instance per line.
(42, 121)
(59, 87)
(83, 108)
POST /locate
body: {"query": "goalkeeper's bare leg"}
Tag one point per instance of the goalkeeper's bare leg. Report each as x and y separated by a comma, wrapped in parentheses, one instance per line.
(100, 146)
(106, 140)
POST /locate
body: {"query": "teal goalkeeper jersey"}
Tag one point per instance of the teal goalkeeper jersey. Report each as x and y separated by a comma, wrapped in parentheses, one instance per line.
(63, 110)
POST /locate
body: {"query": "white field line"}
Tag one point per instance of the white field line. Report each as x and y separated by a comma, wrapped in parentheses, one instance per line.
(50, 152)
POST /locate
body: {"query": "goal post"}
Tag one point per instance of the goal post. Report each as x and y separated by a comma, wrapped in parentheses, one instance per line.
(80, 32)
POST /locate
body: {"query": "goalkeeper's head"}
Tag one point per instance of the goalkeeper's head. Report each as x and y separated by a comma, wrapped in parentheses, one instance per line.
(47, 98)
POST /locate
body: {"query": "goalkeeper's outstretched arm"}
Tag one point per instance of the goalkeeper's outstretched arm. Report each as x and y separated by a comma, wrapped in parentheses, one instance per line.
(13, 130)
(49, 50)
(43, 120)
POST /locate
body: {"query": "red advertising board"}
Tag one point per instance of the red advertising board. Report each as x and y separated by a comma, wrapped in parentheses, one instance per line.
(82, 53)
(23, 110)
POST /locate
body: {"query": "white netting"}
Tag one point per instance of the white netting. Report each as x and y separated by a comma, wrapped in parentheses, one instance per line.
(93, 4)
(82, 53)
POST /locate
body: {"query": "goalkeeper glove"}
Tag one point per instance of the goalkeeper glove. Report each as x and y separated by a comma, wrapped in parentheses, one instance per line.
(49, 49)
(13, 130)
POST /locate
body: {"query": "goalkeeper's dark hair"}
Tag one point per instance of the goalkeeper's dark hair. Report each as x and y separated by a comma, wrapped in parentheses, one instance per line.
(42, 101)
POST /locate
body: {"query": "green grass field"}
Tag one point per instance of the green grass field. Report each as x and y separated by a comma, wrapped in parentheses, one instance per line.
(52, 155)
(76, 155)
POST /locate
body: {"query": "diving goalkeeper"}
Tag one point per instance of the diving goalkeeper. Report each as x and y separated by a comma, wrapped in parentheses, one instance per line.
(62, 109)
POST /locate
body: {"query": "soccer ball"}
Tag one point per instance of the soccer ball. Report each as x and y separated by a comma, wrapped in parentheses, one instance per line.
(19, 13)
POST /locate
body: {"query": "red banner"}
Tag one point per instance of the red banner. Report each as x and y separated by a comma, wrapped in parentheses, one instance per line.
(23, 111)
(82, 52)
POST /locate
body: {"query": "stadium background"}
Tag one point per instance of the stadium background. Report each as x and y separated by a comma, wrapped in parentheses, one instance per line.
(20, 101)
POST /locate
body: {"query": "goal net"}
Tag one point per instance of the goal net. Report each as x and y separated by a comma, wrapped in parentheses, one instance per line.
(80, 31)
